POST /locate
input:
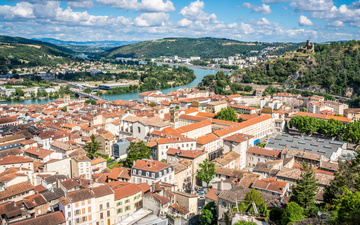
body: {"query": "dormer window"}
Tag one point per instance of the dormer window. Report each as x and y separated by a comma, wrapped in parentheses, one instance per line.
(160, 174)
(139, 172)
(134, 171)
(147, 174)
(153, 175)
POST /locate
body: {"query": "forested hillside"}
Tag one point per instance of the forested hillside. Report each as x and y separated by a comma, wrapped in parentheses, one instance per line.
(334, 67)
(20, 40)
(187, 47)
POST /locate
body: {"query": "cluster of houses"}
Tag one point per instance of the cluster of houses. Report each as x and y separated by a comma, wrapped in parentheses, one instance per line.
(46, 176)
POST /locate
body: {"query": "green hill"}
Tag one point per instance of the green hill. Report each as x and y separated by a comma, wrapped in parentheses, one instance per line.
(333, 68)
(187, 47)
(20, 40)
(18, 52)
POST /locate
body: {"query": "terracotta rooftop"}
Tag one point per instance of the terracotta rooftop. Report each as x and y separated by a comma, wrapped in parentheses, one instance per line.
(192, 154)
(102, 190)
(80, 195)
(174, 139)
(150, 165)
(226, 158)
(126, 190)
(265, 152)
(117, 173)
(13, 159)
(207, 139)
(194, 126)
(179, 209)
(16, 189)
(54, 218)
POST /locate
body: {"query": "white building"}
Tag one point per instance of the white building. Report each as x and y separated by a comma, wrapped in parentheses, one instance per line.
(151, 171)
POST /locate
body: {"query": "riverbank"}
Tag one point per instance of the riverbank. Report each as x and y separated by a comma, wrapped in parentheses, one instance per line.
(199, 67)
(199, 72)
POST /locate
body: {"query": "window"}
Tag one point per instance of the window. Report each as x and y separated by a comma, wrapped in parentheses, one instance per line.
(69, 214)
(101, 215)
(139, 172)
(139, 130)
(169, 170)
(153, 175)
(89, 209)
(127, 201)
(107, 204)
(160, 174)
(68, 206)
(119, 203)
(119, 211)
(77, 220)
(108, 213)
(127, 208)
(84, 218)
(147, 174)
(134, 171)
(77, 212)
(100, 206)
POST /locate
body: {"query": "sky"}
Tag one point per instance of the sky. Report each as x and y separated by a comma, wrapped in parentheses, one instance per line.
(138, 20)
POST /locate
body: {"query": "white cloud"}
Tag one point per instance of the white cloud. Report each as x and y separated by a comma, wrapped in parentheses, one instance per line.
(312, 5)
(263, 9)
(343, 13)
(195, 12)
(151, 19)
(22, 10)
(85, 4)
(304, 21)
(184, 22)
(246, 28)
(143, 5)
(336, 23)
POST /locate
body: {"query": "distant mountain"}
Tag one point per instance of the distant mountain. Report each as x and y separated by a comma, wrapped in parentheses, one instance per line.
(20, 40)
(187, 47)
(108, 44)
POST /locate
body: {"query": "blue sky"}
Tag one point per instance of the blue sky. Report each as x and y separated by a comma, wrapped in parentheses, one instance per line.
(129, 20)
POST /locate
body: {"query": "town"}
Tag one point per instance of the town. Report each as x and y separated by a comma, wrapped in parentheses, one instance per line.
(164, 158)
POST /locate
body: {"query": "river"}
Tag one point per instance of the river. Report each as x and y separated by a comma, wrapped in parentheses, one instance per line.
(200, 73)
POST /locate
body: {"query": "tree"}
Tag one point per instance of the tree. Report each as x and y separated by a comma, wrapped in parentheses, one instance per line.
(303, 109)
(248, 88)
(92, 147)
(19, 92)
(136, 151)
(306, 188)
(347, 209)
(87, 90)
(255, 196)
(244, 223)
(208, 214)
(90, 101)
(292, 213)
(64, 109)
(206, 172)
(152, 104)
(227, 114)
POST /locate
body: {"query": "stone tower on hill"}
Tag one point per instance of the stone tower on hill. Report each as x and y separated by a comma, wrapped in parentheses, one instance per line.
(307, 48)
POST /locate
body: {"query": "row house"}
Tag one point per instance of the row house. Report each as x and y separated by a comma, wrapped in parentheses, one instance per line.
(178, 142)
(210, 143)
(151, 171)
(196, 130)
(239, 143)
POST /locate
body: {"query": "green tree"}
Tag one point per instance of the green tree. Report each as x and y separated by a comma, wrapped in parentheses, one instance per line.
(19, 92)
(347, 209)
(92, 147)
(87, 90)
(136, 151)
(292, 213)
(64, 109)
(244, 223)
(227, 114)
(152, 104)
(248, 88)
(206, 172)
(303, 193)
(255, 196)
(208, 214)
(303, 109)
(90, 101)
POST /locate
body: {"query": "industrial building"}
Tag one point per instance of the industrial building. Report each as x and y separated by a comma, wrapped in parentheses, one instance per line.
(331, 150)
(111, 86)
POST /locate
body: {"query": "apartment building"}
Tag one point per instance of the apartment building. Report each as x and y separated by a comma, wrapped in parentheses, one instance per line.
(179, 142)
(105, 203)
(127, 200)
(151, 171)
(81, 167)
(79, 207)
(215, 107)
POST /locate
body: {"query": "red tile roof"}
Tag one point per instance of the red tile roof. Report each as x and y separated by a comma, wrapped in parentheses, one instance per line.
(192, 154)
(207, 139)
(12, 159)
(150, 165)
(54, 218)
(175, 139)
(127, 190)
(266, 152)
(194, 126)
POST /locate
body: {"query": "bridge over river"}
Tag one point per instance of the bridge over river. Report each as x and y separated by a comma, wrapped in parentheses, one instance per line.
(83, 94)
